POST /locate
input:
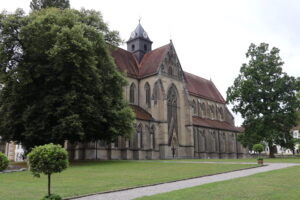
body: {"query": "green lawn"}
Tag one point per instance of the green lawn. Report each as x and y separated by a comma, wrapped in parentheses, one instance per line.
(279, 184)
(266, 160)
(91, 177)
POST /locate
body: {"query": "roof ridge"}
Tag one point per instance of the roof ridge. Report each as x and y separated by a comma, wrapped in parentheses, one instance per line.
(196, 76)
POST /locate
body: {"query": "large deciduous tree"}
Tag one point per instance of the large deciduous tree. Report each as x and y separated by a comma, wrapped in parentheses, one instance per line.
(298, 96)
(60, 82)
(265, 97)
(40, 4)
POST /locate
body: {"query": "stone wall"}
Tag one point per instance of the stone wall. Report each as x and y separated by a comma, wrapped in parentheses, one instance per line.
(211, 143)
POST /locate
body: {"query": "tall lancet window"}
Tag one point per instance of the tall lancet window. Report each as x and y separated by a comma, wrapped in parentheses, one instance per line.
(132, 93)
(147, 91)
(155, 92)
(194, 109)
(172, 112)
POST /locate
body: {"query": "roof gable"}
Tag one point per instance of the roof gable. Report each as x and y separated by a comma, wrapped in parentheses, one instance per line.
(152, 61)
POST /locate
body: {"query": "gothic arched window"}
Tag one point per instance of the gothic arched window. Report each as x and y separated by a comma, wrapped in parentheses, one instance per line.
(194, 107)
(221, 114)
(155, 92)
(147, 91)
(212, 111)
(152, 133)
(172, 112)
(131, 93)
(170, 71)
(202, 108)
(199, 108)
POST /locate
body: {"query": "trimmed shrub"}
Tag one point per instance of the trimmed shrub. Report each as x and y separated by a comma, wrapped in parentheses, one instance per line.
(3, 162)
(47, 159)
(258, 148)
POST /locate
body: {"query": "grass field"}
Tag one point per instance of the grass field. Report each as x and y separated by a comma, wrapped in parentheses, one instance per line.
(279, 184)
(266, 160)
(91, 177)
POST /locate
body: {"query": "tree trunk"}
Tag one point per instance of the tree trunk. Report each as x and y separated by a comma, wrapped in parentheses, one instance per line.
(271, 149)
(49, 184)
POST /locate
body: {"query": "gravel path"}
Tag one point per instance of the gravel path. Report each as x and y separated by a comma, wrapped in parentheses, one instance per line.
(167, 187)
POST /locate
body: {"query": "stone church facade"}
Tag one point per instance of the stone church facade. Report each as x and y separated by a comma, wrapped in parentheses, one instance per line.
(178, 114)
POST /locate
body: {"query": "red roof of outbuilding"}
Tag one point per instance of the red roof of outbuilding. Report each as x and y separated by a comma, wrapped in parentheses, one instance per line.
(198, 121)
(204, 88)
(296, 128)
(141, 114)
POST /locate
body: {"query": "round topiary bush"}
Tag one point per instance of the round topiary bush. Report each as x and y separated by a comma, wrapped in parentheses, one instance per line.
(47, 159)
(258, 148)
(3, 162)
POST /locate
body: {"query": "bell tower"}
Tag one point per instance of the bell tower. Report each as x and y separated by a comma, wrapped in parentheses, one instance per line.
(139, 43)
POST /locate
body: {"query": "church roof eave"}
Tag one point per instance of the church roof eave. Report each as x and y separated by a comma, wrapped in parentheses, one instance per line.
(214, 124)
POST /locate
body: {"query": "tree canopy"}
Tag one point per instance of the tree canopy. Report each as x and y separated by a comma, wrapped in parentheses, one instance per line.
(298, 96)
(60, 82)
(265, 96)
(40, 4)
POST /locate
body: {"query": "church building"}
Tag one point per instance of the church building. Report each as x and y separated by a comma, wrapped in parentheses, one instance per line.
(178, 114)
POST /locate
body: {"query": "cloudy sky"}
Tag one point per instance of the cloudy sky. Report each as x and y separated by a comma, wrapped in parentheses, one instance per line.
(211, 37)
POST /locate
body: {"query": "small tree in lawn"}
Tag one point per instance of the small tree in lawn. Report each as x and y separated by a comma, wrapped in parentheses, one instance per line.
(258, 148)
(3, 162)
(47, 159)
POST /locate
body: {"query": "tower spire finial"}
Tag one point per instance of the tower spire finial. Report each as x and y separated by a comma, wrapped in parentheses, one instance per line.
(140, 18)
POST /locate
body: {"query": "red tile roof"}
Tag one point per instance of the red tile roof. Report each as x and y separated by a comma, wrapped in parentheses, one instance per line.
(198, 121)
(204, 88)
(197, 86)
(125, 61)
(296, 128)
(152, 60)
(141, 114)
(240, 129)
